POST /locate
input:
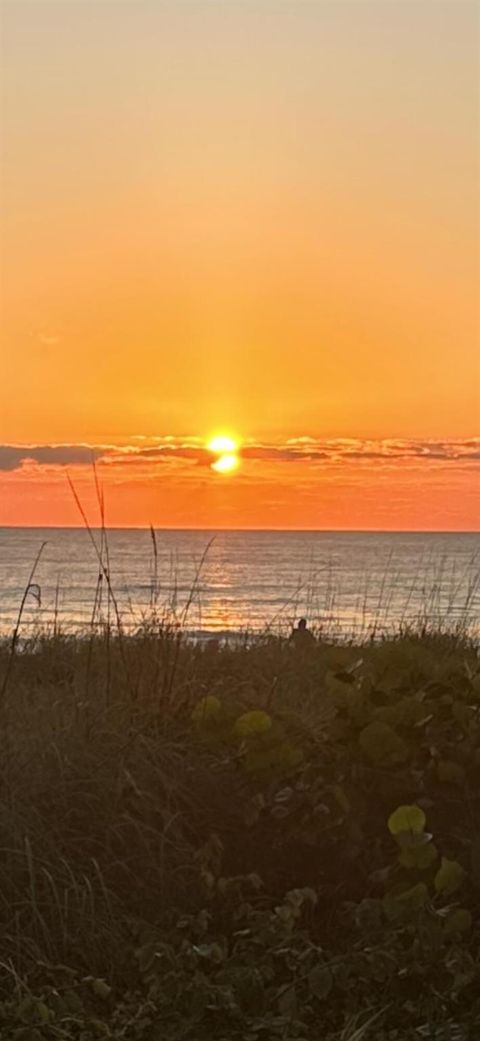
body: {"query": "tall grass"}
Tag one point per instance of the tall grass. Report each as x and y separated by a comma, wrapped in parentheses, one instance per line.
(105, 810)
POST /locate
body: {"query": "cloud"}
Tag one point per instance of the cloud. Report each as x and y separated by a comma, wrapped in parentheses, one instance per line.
(170, 451)
(12, 457)
(160, 453)
(350, 449)
(280, 453)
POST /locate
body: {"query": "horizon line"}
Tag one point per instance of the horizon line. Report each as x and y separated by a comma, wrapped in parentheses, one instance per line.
(281, 530)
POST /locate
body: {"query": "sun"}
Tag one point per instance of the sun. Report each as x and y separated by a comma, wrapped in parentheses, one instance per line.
(221, 445)
(225, 448)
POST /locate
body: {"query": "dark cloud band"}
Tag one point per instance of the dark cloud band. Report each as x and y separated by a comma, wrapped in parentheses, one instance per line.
(296, 450)
(12, 457)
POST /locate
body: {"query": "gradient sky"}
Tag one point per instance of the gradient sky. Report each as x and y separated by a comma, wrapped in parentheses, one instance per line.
(252, 216)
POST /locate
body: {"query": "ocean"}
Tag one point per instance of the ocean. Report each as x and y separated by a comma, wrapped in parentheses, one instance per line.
(345, 583)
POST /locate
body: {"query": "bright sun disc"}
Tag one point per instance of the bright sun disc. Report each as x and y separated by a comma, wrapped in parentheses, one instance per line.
(222, 445)
(225, 464)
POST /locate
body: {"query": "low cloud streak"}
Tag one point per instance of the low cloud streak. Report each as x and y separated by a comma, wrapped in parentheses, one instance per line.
(299, 450)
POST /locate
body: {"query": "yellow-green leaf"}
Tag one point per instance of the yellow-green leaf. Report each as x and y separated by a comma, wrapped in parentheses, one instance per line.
(43, 1011)
(207, 709)
(449, 876)
(407, 819)
(280, 759)
(252, 723)
(101, 989)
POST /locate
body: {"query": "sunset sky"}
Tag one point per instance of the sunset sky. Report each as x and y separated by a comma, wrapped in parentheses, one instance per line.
(254, 218)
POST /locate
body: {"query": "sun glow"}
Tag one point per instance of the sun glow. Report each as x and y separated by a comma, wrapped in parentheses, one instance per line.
(225, 464)
(222, 445)
(226, 449)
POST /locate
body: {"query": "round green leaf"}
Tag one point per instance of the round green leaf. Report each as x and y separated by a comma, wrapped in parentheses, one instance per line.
(252, 723)
(449, 876)
(407, 819)
(418, 858)
(101, 989)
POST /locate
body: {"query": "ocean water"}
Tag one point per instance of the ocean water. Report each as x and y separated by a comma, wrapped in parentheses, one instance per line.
(347, 583)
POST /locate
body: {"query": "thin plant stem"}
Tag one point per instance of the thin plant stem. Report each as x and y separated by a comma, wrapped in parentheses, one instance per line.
(30, 586)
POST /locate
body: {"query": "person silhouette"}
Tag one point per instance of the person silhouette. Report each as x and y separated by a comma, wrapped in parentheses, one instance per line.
(301, 635)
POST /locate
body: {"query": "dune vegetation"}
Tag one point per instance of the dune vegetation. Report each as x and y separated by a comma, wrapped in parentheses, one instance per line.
(259, 841)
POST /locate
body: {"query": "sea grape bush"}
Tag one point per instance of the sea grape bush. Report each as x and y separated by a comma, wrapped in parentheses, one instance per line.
(288, 849)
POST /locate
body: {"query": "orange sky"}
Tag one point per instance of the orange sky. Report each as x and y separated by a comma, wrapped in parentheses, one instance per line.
(258, 216)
